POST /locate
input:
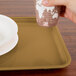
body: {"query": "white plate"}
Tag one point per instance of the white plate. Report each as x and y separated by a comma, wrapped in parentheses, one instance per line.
(9, 45)
(8, 21)
(8, 30)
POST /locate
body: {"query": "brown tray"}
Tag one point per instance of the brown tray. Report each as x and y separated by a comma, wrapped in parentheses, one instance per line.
(38, 48)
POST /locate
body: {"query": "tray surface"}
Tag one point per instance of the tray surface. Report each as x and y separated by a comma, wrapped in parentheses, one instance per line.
(38, 48)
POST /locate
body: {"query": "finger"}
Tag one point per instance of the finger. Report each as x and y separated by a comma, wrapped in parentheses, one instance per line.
(72, 18)
(54, 2)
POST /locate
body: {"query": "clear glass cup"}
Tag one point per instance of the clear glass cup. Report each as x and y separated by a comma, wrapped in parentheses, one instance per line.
(46, 16)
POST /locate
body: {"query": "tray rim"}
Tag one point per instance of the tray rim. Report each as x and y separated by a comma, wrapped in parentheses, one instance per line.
(44, 67)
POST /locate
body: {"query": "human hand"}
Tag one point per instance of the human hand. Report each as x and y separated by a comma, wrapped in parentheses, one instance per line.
(70, 12)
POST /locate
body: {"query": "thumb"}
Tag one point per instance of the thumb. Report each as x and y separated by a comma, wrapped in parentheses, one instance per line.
(54, 2)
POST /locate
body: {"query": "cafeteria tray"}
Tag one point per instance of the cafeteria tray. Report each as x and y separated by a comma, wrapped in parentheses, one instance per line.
(38, 48)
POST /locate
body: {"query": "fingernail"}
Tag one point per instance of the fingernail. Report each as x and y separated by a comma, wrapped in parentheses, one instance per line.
(45, 2)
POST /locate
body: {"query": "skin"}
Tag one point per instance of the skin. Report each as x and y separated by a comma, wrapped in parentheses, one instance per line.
(70, 11)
